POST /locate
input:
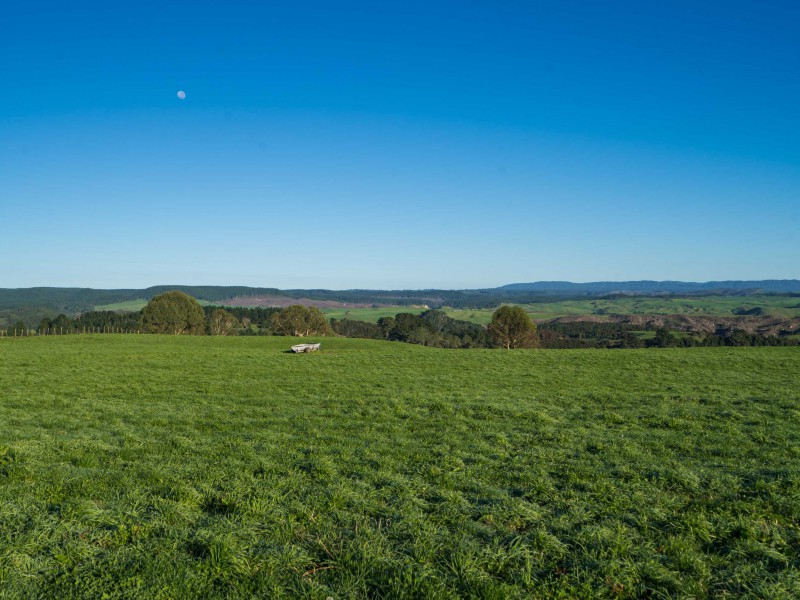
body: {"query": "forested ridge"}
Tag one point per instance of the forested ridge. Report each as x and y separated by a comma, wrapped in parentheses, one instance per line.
(79, 300)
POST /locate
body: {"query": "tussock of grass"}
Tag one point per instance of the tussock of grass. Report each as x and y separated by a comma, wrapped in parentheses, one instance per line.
(140, 466)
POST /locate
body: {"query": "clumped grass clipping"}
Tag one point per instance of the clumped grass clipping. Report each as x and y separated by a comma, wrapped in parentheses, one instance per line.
(139, 466)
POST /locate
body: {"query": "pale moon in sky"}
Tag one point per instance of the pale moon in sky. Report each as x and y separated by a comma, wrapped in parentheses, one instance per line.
(181, 94)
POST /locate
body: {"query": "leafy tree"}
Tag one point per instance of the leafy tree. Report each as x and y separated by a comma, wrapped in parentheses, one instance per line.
(19, 328)
(357, 329)
(511, 327)
(173, 312)
(452, 333)
(437, 320)
(386, 325)
(258, 316)
(61, 324)
(587, 334)
(221, 322)
(300, 321)
(662, 339)
(405, 324)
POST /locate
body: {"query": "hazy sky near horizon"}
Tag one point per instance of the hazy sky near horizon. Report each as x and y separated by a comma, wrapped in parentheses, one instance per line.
(398, 144)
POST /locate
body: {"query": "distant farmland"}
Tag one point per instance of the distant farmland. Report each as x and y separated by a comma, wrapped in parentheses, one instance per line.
(135, 466)
(721, 306)
(134, 305)
(717, 306)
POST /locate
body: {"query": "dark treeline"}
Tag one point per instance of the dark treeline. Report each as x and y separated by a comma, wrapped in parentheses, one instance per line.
(431, 328)
(585, 334)
(722, 337)
(67, 300)
(588, 334)
(96, 320)
(254, 321)
(29, 316)
(357, 329)
(435, 328)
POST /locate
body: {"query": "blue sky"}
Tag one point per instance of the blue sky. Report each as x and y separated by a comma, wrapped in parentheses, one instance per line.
(398, 144)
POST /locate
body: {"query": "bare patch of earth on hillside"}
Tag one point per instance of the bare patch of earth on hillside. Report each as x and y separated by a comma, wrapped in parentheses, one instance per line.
(283, 301)
(696, 324)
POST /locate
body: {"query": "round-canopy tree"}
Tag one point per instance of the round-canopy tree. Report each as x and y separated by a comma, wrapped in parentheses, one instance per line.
(300, 321)
(511, 327)
(173, 312)
(221, 322)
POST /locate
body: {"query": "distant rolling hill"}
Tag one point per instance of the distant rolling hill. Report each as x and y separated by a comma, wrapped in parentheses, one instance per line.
(653, 287)
(46, 300)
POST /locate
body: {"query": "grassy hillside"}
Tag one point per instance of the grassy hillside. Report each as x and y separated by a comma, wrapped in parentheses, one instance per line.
(370, 314)
(140, 466)
(125, 306)
(362, 314)
(134, 305)
(717, 306)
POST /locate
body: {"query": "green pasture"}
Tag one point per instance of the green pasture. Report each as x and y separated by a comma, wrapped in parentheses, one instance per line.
(370, 314)
(721, 306)
(127, 306)
(212, 467)
(360, 314)
(133, 305)
(718, 306)
(482, 316)
(778, 306)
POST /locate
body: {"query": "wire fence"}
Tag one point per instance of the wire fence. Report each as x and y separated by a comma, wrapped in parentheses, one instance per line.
(23, 333)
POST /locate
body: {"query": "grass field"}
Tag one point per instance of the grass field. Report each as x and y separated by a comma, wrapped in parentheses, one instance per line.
(132, 305)
(718, 306)
(370, 314)
(150, 466)
(361, 314)
(723, 306)
(127, 306)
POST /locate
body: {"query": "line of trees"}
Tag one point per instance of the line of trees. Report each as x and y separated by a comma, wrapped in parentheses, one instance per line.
(253, 321)
(433, 328)
(587, 334)
(180, 314)
(722, 337)
(177, 313)
(511, 327)
(104, 320)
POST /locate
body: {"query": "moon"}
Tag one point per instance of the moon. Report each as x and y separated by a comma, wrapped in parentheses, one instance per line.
(182, 95)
